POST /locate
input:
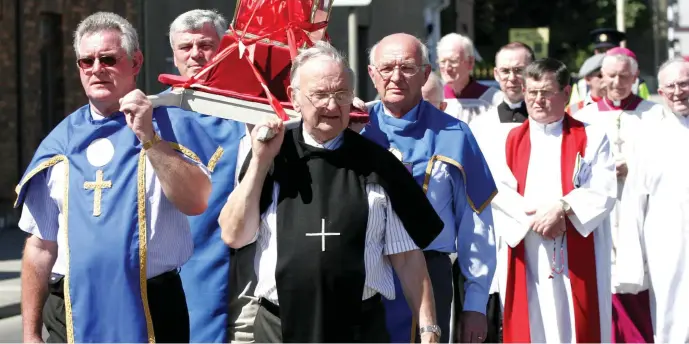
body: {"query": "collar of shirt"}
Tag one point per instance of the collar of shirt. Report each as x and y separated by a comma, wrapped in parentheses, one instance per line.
(553, 128)
(513, 106)
(94, 115)
(683, 120)
(411, 116)
(329, 145)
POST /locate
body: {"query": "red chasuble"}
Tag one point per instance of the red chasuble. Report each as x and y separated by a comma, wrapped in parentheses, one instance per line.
(582, 269)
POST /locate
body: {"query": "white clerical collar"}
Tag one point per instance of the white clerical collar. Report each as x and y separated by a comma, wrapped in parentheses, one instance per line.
(553, 128)
(513, 106)
(617, 103)
(329, 145)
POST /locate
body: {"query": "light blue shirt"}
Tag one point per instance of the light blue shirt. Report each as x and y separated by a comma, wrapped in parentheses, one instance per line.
(469, 234)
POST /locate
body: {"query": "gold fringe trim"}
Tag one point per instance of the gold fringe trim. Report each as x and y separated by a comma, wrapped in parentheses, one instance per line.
(42, 166)
(143, 240)
(427, 178)
(214, 159)
(186, 151)
(413, 329)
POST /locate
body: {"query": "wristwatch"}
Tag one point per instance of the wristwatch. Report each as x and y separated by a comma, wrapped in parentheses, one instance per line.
(565, 207)
(152, 142)
(430, 328)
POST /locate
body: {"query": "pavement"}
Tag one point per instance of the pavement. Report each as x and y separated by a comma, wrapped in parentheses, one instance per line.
(11, 244)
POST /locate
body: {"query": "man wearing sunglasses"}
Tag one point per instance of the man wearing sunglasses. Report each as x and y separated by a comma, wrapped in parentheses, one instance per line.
(443, 156)
(332, 214)
(106, 199)
(622, 114)
(590, 72)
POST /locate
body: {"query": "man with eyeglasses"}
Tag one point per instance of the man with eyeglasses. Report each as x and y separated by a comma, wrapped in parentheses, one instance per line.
(622, 114)
(491, 131)
(652, 245)
(591, 74)
(466, 98)
(555, 196)
(332, 214)
(442, 155)
(106, 199)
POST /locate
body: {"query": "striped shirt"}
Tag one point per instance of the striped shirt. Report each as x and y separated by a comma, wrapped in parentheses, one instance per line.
(385, 235)
(170, 243)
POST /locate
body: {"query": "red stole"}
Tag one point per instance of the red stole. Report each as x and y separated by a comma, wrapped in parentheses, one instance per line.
(582, 262)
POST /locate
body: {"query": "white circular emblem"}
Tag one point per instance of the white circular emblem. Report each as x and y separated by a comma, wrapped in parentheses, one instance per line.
(100, 152)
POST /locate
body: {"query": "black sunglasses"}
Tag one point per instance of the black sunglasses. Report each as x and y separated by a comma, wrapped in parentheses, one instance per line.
(105, 60)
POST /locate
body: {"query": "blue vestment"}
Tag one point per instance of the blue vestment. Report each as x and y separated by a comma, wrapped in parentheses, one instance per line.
(105, 284)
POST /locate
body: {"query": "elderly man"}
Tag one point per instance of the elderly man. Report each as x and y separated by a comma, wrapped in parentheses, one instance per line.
(652, 246)
(555, 196)
(330, 211)
(621, 114)
(109, 173)
(466, 98)
(442, 155)
(214, 276)
(491, 131)
(593, 78)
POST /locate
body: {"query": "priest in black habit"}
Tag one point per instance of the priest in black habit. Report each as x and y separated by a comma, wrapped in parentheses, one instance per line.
(332, 214)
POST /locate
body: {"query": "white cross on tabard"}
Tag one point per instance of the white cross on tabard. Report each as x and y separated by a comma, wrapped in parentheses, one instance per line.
(322, 234)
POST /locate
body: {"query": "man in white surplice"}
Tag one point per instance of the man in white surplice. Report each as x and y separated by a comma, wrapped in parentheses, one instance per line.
(559, 209)
(653, 240)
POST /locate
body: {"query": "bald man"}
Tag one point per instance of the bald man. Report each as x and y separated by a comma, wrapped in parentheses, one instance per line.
(652, 247)
(459, 186)
(466, 98)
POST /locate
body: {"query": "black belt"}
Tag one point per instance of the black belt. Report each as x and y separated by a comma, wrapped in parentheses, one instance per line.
(366, 305)
(57, 280)
(433, 253)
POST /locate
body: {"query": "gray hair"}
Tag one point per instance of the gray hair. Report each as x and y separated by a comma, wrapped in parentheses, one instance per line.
(104, 21)
(425, 60)
(668, 63)
(321, 49)
(622, 58)
(455, 38)
(196, 19)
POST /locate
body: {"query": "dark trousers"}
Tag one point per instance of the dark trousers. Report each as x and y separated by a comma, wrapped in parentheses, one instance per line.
(166, 301)
(439, 267)
(268, 328)
(493, 312)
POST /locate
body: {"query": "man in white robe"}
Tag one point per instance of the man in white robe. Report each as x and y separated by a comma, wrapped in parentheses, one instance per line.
(652, 249)
(621, 113)
(466, 98)
(555, 282)
(490, 130)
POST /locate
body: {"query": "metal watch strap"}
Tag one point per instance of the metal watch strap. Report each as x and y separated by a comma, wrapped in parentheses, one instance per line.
(430, 328)
(152, 142)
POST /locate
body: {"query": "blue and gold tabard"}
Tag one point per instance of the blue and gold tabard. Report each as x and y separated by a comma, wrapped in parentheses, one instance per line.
(206, 275)
(104, 209)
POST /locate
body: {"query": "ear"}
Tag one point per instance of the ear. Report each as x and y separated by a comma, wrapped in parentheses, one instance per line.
(567, 91)
(292, 95)
(495, 74)
(137, 62)
(661, 92)
(472, 62)
(443, 105)
(372, 73)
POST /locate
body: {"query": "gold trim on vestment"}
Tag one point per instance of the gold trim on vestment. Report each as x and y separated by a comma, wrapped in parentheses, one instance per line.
(429, 170)
(42, 166)
(214, 159)
(186, 151)
(143, 239)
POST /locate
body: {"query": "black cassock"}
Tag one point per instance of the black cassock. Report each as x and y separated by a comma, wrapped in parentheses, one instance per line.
(322, 214)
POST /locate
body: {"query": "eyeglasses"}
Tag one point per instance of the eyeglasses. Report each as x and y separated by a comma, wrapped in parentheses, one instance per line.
(450, 62)
(106, 60)
(322, 99)
(546, 94)
(682, 85)
(408, 70)
(505, 72)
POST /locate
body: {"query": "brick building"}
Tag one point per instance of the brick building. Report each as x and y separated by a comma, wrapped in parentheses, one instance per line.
(40, 81)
